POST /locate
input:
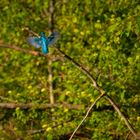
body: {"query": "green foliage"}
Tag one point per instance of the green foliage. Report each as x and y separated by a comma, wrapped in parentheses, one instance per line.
(103, 36)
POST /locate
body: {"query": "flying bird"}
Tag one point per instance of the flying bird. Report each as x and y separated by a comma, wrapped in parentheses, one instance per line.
(43, 41)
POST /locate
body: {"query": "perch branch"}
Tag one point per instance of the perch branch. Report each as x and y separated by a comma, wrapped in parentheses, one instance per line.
(101, 91)
(95, 85)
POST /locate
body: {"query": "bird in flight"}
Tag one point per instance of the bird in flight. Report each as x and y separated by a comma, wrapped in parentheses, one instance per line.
(43, 41)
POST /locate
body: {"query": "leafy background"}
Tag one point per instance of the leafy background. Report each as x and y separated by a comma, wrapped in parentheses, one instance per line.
(103, 36)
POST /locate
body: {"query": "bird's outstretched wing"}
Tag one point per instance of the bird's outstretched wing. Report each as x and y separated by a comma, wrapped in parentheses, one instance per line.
(35, 41)
(53, 38)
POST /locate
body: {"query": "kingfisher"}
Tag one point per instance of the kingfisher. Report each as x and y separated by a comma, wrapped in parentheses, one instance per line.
(43, 41)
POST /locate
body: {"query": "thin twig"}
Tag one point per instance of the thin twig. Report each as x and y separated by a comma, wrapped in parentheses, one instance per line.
(123, 117)
(127, 136)
(35, 53)
(92, 105)
(30, 31)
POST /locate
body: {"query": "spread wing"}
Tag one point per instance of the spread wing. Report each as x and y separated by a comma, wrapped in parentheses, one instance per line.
(35, 41)
(53, 38)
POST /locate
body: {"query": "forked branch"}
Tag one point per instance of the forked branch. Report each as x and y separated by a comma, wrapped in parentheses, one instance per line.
(94, 83)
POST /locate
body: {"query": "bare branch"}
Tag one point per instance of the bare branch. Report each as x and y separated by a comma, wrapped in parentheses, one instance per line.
(38, 106)
(35, 53)
(101, 91)
(92, 105)
(122, 116)
(95, 85)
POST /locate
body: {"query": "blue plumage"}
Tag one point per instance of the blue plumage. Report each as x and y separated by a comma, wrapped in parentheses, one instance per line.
(43, 42)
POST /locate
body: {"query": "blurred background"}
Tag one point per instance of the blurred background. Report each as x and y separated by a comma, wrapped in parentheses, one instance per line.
(46, 97)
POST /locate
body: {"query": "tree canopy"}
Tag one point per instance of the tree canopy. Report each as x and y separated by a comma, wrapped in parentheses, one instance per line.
(47, 96)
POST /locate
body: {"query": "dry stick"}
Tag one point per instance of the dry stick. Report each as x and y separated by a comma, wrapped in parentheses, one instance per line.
(95, 85)
(35, 53)
(120, 113)
(50, 78)
(88, 111)
(127, 136)
(50, 70)
(101, 91)
(38, 106)
(30, 31)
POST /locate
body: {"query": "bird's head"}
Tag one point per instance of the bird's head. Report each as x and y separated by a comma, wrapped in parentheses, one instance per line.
(42, 34)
